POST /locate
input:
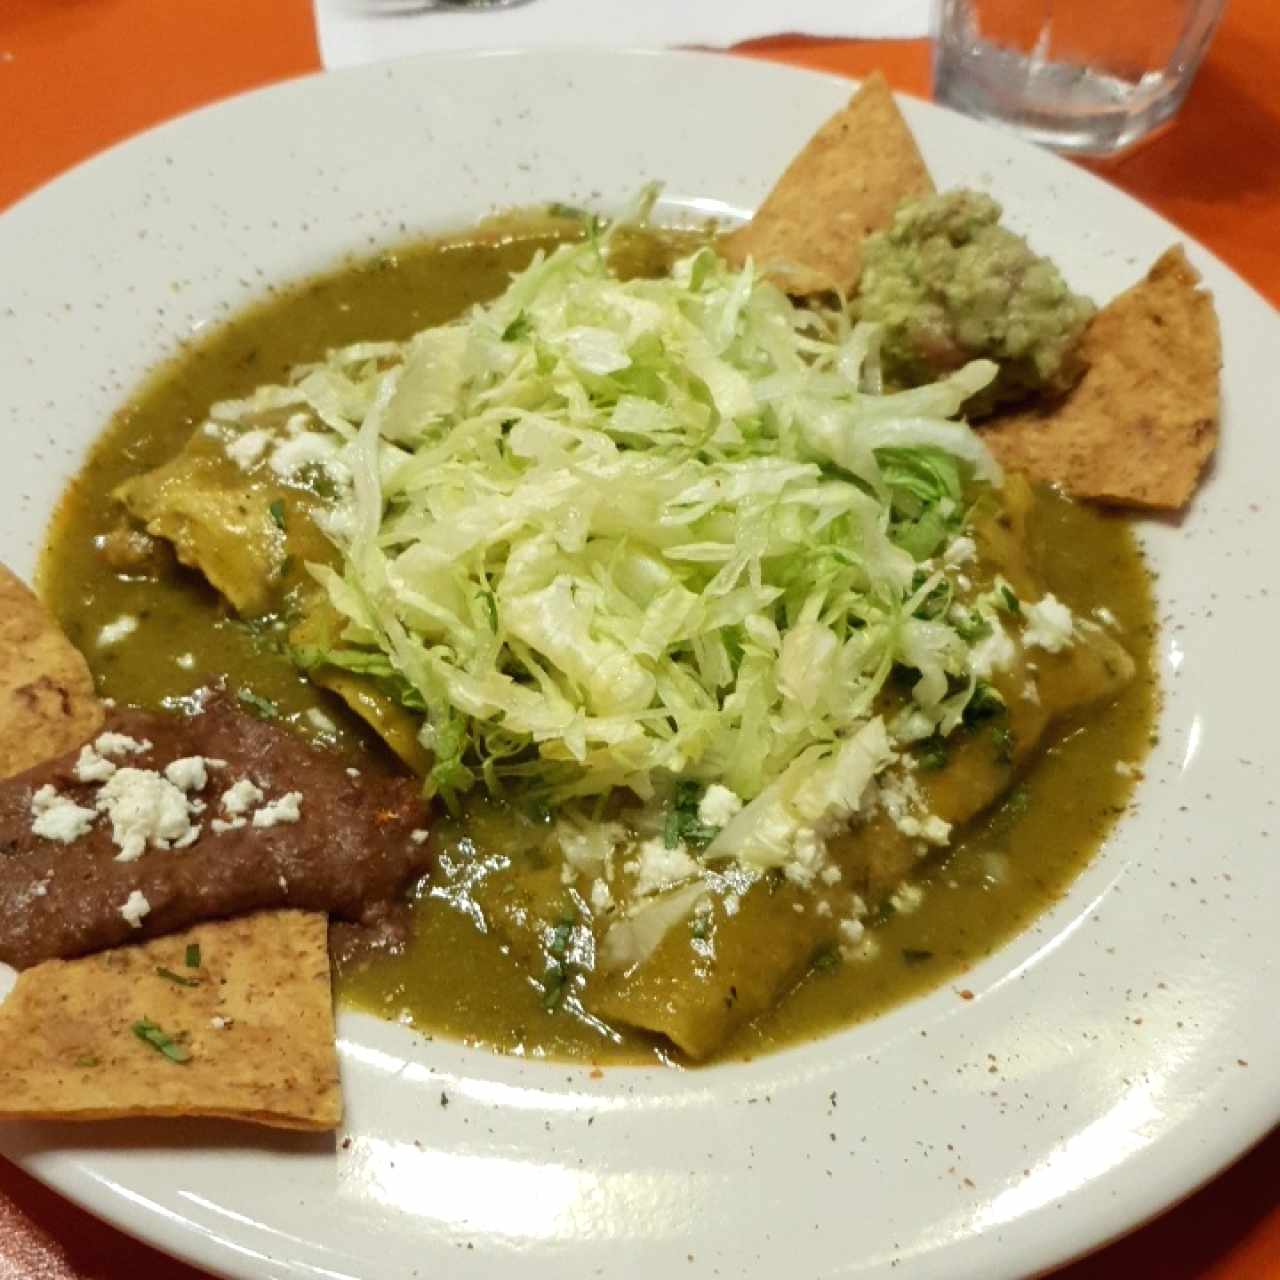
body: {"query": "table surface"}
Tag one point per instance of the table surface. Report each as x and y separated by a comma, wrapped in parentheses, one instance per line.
(79, 75)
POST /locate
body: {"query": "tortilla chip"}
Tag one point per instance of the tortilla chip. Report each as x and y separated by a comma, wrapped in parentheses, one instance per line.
(69, 1051)
(848, 180)
(47, 700)
(1140, 426)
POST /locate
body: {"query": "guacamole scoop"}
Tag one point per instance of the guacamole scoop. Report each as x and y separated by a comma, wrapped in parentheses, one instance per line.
(949, 285)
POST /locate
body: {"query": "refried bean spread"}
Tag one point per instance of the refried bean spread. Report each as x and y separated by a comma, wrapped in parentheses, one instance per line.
(163, 820)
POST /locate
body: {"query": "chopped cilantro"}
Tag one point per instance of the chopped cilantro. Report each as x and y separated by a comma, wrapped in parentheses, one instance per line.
(276, 508)
(561, 936)
(914, 956)
(149, 1033)
(1011, 602)
(826, 960)
(683, 826)
(933, 753)
(553, 986)
(261, 707)
(558, 209)
(1003, 740)
(700, 927)
(176, 977)
(192, 959)
(86, 1060)
(884, 912)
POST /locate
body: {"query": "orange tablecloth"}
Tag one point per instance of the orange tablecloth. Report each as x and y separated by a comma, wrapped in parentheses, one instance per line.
(78, 75)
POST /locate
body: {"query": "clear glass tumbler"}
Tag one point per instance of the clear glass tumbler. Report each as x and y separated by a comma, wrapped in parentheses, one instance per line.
(1088, 77)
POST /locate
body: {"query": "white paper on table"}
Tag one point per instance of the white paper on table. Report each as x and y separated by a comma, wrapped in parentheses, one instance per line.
(358, 31)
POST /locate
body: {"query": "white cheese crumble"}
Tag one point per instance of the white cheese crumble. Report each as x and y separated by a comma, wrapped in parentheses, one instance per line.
(1105, 616)
(718, 805)
(601, 898)
(125, 625)
(221, 825)
(589, 846)
(320, 721)
(963, 550)
(1127, 769)
(92, 767)
(135, 907)
(338, 522)
(930, 828)
(120, 744)
(188, 773)
(658, 867)
(185, 842)
(907, 898)
(419, 836)
(903, 802)
(830, 875)
(808, 857)
(58, 817)
(245, 450)
(144, 809)
(994, 652)
(288, 808)
(308, 448)
(186, 661)
(851, 932)
(240, 797)
(1049, 624)
(219, 1023)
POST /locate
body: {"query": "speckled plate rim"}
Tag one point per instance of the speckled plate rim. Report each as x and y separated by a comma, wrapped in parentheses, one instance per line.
(1110, 1060)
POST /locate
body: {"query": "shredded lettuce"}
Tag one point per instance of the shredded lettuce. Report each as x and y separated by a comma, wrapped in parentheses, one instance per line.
(603, 533)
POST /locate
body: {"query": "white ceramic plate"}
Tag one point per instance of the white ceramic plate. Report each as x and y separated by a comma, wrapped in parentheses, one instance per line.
(1100, 1072)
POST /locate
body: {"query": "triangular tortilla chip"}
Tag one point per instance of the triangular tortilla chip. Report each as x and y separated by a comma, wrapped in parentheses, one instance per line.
(254, 1015)
(848, 180)
(1140, 426)
(47, 700)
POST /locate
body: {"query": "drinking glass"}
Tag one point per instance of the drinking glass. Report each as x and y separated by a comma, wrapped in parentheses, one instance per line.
(1088, 77)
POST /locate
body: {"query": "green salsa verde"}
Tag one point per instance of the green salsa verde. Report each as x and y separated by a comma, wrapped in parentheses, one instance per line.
(458, 976)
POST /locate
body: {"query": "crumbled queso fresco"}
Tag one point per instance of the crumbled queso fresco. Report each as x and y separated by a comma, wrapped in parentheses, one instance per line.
(150, 809)
(135, 907)
(297, 450)
(1050, 624)
(288, 808)
(114, 632)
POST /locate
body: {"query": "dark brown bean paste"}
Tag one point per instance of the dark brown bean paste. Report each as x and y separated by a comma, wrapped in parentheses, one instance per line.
(350, 850)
